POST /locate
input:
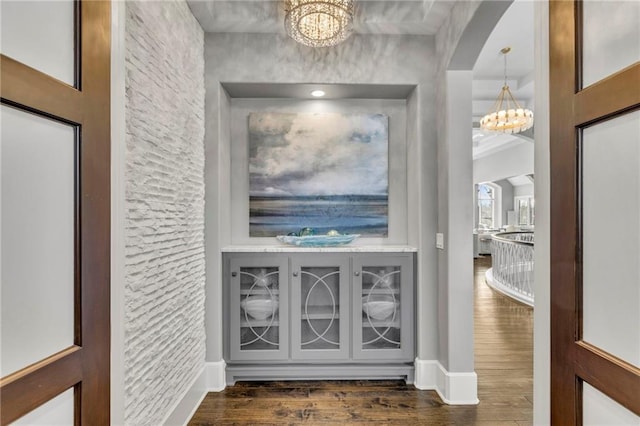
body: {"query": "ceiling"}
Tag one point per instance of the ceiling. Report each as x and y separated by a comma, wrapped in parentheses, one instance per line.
(521, 180)
(372, 17)
(419, 17)
(515, 30)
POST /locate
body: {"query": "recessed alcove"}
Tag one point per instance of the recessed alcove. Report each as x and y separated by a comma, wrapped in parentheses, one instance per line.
(412, 168)
(362, 74)
(238, 100)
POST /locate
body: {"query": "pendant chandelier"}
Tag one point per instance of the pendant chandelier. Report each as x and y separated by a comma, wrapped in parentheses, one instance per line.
(507, 116)
(319, 23)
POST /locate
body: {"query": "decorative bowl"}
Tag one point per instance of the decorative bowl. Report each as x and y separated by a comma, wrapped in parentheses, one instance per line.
(384, 279)
(317, 240)
(262, 282)
(260, 308)
(378, 307)
(262, 279)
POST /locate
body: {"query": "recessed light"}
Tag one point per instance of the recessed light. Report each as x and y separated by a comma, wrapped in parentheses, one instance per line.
(318, 93)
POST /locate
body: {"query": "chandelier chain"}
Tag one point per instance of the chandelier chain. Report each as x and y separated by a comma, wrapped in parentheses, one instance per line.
(505, 68)
(507, 116)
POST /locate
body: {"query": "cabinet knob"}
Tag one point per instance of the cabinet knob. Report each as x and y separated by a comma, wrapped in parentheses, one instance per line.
(234, 274)
(356, 273)
(295, 273)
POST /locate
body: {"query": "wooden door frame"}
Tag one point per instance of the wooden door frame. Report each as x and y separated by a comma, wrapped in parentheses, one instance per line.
(573, 108)
(85, 365)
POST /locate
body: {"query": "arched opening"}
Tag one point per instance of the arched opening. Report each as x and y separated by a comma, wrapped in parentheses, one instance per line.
(460, 192)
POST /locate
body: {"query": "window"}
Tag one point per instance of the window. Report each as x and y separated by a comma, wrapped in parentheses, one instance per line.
(486, 206)
(525, 210)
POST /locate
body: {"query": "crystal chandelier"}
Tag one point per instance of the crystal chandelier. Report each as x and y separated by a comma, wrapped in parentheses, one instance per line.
(319, 23)
(507, 116)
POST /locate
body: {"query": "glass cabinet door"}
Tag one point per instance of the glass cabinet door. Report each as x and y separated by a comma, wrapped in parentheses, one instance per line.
(319, 300)
(383, 307)
(258, 309)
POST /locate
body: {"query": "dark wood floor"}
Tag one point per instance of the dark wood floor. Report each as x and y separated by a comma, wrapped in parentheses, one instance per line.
(503, 362)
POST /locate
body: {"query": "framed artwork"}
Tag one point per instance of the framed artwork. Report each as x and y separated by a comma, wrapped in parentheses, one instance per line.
(324, 170)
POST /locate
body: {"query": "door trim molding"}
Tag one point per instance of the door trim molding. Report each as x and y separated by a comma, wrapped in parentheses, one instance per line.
(118, 209)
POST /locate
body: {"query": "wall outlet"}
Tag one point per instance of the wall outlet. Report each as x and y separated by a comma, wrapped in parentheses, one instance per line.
(440, 241)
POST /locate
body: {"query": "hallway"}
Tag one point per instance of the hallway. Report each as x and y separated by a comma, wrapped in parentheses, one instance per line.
(503, 352)
(503, 362)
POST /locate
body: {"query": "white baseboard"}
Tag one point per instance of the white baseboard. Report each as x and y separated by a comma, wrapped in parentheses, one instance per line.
(210, 379)
(216, 380)
(453, 388)
(187, 405)
(425, 376)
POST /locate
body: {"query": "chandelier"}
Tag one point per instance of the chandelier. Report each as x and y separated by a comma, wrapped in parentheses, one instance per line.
(507, 116)
(319, 23)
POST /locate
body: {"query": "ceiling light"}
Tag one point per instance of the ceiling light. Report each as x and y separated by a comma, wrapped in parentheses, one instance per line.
(507, 116)
(318, 93)
(319, 23)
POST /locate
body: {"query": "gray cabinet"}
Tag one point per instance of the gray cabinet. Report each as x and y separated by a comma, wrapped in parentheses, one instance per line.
(383, 307)
(258, 308)
(318, 315)
(320, 307)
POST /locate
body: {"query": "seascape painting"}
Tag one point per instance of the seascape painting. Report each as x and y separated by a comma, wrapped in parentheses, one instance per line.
(327, 171)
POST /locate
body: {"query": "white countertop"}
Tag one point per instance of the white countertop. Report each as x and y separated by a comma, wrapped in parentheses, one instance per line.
(281, 248)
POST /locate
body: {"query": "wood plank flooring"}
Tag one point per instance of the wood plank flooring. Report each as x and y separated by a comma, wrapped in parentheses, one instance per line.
(503, 362)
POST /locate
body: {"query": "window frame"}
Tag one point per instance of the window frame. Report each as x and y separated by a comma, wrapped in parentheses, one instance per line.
(495, 204)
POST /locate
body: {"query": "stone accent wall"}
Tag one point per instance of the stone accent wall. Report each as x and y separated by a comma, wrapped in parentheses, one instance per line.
(165, 263)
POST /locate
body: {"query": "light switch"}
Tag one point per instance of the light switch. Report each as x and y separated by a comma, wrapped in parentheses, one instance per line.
(440, 240)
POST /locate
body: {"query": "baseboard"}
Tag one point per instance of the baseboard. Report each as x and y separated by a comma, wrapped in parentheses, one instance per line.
(426, 376)
(453, 388)
(191, 399)
(399, 370)
(210, 379)
(216, 380)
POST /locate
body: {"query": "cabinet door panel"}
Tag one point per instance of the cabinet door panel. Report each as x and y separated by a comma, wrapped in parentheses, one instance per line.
(320, 308)
(258, 309)
(383, 308)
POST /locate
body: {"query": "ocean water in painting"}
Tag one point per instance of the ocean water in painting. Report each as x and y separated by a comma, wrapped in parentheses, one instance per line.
(349, 214)
(320, 170)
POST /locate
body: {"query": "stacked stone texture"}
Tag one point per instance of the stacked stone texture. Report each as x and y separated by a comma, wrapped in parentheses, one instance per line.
(165, 264)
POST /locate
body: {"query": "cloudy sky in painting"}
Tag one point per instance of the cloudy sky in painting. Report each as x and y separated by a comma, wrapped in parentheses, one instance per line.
(318, 154)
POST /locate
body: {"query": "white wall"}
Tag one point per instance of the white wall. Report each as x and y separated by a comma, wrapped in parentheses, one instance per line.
(541, 320)
(164, 338)
(523, 190)
(507, 199)
(514, 161)
(362, 59)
